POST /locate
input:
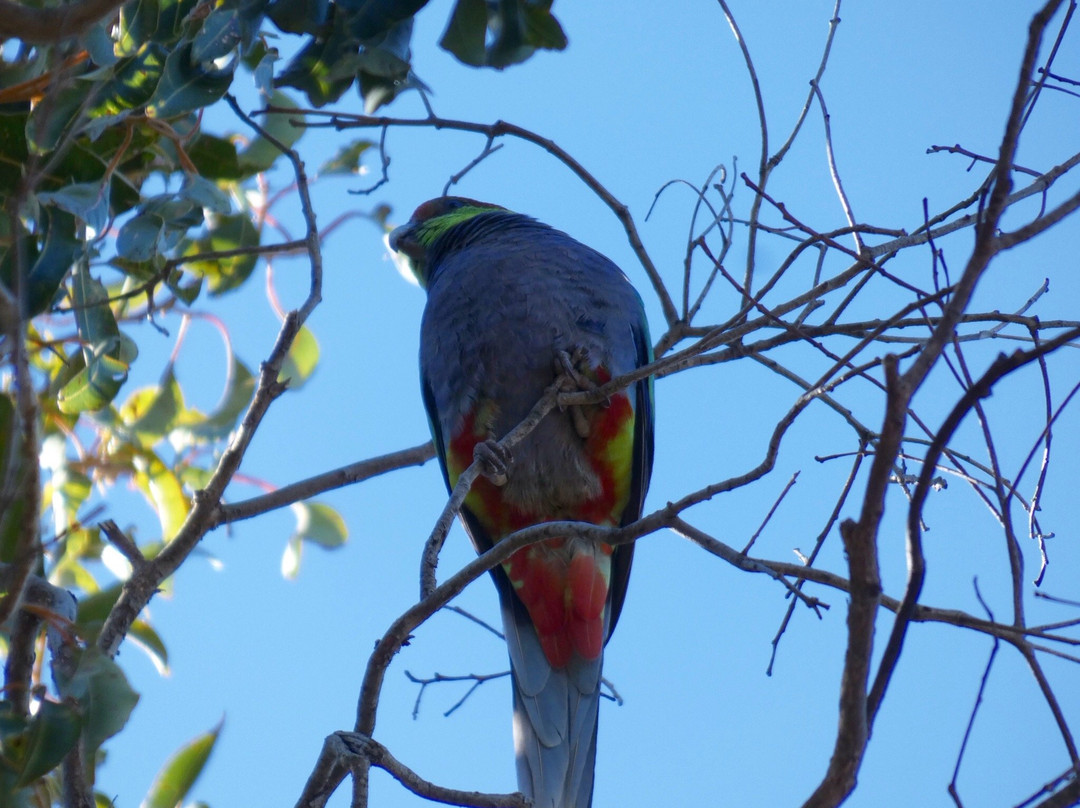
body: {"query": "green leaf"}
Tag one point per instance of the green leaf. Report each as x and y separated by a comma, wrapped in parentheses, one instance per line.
(319, 523)
(138, 23)
(370, 19)
(138, 237)
(187, 292)
(94, 608)
(261, 154)
(94, 386)
(323, 69)
(104, 696)
(158, 227)
(134, 81)
(383, 67)
(87, 200)
(93, 317)
(206, 194)
(13, 150)
(215, 158)
(50, 124)
(162, 487)
(179, 774)
(466, 32)
(301, 359)
(53, 732)
(53, 262)
(188, 85)
(542, 30)
(219, 35)
(347, 160)
(195, 429)
(146, 637)
(298, 16)
(501, 34)
(150, 413)
(171, 19)
(229, 232)
(315, 522)
(157, 20)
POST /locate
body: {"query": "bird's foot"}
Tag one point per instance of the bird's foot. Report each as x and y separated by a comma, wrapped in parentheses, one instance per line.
(495, 460)
(572, 366)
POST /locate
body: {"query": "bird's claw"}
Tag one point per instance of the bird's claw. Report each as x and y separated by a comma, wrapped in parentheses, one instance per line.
(495, 460)
(571, 366)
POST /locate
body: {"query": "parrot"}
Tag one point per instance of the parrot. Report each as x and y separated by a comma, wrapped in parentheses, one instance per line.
(512, 303)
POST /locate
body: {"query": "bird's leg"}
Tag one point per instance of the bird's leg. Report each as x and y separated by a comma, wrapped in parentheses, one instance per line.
(494, 459)
(571, 367)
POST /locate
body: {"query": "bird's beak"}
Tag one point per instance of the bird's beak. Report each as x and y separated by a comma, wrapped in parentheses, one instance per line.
(398, 234)
(407, 253)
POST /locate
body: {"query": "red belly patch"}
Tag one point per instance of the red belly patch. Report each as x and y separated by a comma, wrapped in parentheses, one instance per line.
(563, 585)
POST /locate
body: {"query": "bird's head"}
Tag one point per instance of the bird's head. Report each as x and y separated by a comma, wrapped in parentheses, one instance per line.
(429, 222)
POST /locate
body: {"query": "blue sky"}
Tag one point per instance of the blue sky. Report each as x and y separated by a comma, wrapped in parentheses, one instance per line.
(642, 96)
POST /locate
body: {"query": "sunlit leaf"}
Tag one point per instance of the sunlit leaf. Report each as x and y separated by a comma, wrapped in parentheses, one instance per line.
(315, 522)
(290, 558)
(150, 413)
(134, 80)
(94, 386)
(54, 730)
(195, 429)
(138, 23)
(180, 772)
(318, 522)
(69, 490)
(301, 359)
(70, 574)
(146, 637)
(161, 486)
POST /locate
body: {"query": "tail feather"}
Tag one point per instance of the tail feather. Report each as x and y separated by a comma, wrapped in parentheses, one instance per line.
(558, 775)
(555, 720)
